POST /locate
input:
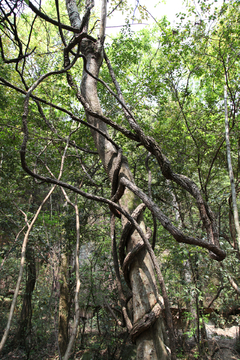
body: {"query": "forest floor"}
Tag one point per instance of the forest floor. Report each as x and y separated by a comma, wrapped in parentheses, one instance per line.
(223, 344)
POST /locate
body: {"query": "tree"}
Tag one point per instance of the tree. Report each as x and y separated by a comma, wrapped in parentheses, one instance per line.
(39, 69)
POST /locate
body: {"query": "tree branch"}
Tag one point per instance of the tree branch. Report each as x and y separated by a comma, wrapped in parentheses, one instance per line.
(166, 223)
(50, 20)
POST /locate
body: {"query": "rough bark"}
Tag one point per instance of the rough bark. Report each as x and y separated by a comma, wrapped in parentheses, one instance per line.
(24, 330)
(77, 288)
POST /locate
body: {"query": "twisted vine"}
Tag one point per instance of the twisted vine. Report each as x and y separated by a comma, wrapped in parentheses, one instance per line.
(126, 260)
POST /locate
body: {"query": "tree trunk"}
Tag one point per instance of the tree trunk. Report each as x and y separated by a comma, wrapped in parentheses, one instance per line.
(150, 343)
(24, 330)
(230, 169)
(63, 306)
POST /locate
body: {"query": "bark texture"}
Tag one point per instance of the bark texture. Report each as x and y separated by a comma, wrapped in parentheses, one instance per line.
(24, 330)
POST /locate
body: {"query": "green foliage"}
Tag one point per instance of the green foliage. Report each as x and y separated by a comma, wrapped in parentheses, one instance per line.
(172, 79)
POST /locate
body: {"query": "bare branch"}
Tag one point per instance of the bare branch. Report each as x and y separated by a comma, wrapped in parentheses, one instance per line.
(166, 223)
(16, 60)
(103, 21)
(59, 22)
(105, 119)
(50, 20)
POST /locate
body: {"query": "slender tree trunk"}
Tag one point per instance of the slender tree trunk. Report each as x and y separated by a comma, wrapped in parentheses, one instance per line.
(190, 304)
(77, 288)
(24, 330)
(23, 255)
(63, 305)
(230, 169)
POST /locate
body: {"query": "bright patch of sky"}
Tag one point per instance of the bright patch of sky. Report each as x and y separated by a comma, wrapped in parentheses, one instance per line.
(156, 9)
